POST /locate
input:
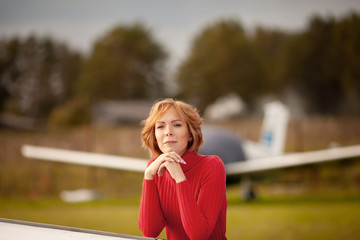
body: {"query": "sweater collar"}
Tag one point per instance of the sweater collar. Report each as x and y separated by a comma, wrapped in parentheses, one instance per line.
(191, 159)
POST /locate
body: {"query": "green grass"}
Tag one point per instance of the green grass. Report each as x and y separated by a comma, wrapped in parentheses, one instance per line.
(107, 215)
(270, 218)
(306, 220)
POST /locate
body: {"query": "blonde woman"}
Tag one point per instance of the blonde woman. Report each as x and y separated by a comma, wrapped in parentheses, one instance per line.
(183, 191)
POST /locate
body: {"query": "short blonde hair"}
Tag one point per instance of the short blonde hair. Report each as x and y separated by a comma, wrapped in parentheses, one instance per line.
(187, 112)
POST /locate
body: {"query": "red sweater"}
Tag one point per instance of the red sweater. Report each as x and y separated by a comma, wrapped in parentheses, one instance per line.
(192, 209)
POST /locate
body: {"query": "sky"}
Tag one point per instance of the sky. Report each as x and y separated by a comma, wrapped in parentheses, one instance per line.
(174, 24)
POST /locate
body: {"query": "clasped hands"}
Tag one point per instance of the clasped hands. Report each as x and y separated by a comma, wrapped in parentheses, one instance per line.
(170, 161)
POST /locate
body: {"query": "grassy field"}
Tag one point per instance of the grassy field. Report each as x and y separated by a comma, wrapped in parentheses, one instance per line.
(312, 202)
(288, 218)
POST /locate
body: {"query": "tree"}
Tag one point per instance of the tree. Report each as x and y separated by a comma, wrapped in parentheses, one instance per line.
(37, 74)
(125, 63)
(326, 65)
(8, 51)
(346, 39)
(272, 49)
(221, 61)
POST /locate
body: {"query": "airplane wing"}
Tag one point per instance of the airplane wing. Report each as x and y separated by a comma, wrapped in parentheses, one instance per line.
(235, 168)
(84, 158)
(14, 229)
(291, 160)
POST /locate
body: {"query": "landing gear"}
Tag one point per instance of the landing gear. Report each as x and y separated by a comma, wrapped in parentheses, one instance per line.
(247, 191)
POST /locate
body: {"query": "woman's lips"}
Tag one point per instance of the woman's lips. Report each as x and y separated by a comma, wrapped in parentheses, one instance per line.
(169, 142)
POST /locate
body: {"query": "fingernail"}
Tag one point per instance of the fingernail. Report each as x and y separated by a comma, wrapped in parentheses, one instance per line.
(183, 162)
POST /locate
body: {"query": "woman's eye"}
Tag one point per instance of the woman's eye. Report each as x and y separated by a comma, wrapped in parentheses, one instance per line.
(159, 127)
(177, 125)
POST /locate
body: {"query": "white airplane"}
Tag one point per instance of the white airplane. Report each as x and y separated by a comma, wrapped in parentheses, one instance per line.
(240, 157)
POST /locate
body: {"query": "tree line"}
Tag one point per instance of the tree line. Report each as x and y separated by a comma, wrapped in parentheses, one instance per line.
(321, 64)
(41, 77)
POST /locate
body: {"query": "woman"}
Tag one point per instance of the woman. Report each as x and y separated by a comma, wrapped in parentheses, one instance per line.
(182, 190)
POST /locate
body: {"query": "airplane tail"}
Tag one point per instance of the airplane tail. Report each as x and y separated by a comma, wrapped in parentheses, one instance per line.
(274, 128)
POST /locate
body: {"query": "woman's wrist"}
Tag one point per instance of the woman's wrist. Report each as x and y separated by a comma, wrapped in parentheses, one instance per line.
(148, 176)
(180, 179)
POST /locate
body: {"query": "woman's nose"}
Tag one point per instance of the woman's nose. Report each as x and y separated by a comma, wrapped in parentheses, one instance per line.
(168, 131)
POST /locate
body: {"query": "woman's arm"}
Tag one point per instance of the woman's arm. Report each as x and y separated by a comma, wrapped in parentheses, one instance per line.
(151, 220)
(199, 217)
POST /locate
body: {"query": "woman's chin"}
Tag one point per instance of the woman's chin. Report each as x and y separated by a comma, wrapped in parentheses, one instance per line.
(180, 152)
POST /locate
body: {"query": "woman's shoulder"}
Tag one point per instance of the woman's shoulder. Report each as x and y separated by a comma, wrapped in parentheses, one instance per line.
(212, 161)
(212, 167)
(211, 158)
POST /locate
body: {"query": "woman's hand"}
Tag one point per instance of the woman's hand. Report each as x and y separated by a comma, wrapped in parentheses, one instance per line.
(170, 161)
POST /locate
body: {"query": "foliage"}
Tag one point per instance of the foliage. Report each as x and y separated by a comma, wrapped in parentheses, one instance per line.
(272, 50)
(326, 67)
(222, 61)
(73, 113)
(125, 63)
(322, 64)
(36, 74)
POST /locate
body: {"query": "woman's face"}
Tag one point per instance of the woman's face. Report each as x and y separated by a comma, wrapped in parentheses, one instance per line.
(172, 133)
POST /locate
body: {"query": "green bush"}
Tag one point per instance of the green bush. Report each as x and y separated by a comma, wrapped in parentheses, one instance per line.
(73, 113)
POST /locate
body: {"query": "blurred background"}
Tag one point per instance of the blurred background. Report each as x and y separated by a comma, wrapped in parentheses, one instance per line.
(82, 75)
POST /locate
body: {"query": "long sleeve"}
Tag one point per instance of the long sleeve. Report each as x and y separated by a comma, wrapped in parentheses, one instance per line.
(151, 220)
(200, 216)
